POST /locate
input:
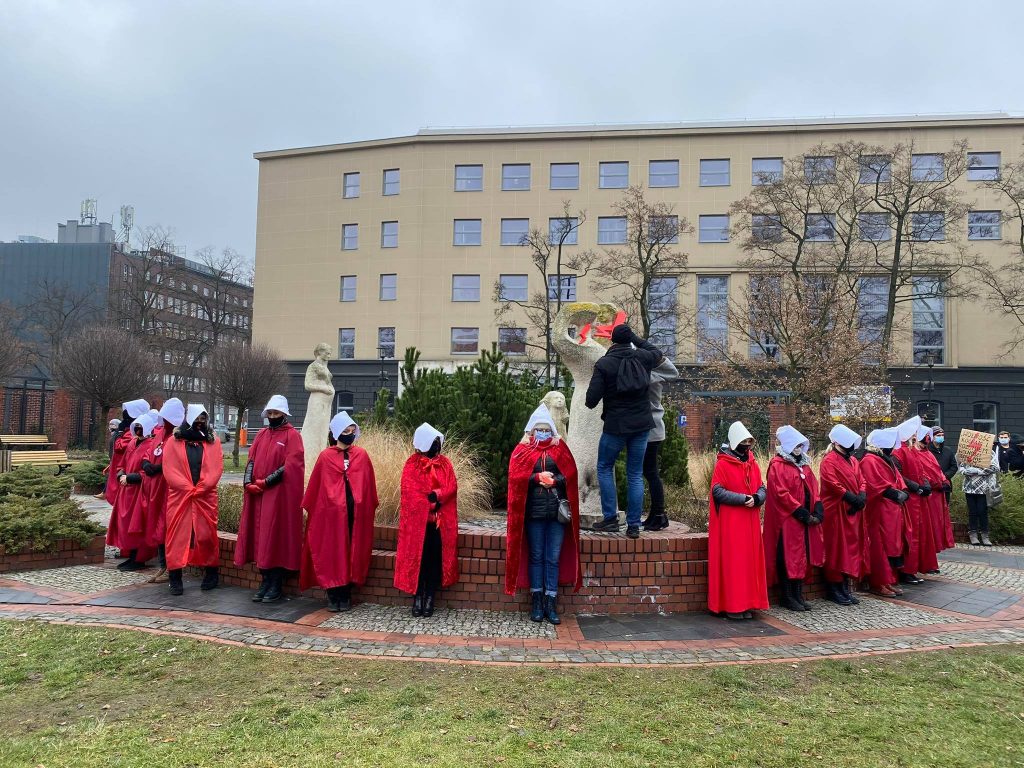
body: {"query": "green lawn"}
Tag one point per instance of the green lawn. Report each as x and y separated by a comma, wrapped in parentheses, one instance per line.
(91, 697)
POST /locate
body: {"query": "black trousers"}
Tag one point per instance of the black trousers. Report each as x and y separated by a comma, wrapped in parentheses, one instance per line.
(344, 592)
(430, 562)
(977, 512)
(653, 478)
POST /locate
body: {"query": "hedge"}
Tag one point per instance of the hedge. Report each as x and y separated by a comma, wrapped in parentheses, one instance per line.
(36, 511)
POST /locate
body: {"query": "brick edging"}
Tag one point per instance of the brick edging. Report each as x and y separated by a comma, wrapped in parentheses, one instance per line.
(63, 553)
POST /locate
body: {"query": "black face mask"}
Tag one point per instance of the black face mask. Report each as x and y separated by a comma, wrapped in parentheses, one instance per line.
(887, 451)
(742, 451)
(841, 451)
(347, 439)
(435, 448)
(276, 422)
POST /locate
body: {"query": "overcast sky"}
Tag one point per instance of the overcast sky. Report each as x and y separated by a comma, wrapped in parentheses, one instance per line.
(161, 104)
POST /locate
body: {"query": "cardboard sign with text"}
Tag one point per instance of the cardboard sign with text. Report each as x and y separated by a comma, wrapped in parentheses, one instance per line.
(975, 448)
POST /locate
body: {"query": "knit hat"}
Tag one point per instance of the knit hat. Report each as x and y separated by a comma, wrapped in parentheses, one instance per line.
(622, 334)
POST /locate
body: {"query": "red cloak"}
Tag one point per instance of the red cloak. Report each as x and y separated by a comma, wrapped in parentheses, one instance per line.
(888, 522)
(910, 461)
(940, 535)
(420, 476)
(156, 488)
(791, 487)
(192, 509)
(846, 535)
(117, 458)
(736, 575)
(127, 526)
(270, 531)
(329, 557)
(517, 559)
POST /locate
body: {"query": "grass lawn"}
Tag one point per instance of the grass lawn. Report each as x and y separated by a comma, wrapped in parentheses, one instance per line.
(92, 697)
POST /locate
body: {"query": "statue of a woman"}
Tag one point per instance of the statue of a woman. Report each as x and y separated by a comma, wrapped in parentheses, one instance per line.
(319, 409)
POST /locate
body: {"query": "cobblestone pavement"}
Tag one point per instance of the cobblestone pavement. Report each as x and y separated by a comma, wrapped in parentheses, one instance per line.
(984, 575)
(445, 622)
(1006, 548)
(827, 617)
(83, 579)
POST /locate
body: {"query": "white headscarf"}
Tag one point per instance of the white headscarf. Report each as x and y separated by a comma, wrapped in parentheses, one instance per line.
(195, 410)
(339, 423)
(884, 438)
(135, 408)
(541, 416)
(909, 428)
(789, 438)
(276, 403)
(424, 437)
(173, 411)
(148, 422)
(924, 432)
(844, 437)
(738, 433)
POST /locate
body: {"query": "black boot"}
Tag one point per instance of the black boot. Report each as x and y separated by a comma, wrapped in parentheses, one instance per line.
(174, 581)
(131, 564)
(788, 599)
(333, 599)
(345, 598)
(834, 592)
(275, 593)
(656, 521)
(551, 609)
(161, 553)
(849, 593)
(537, 606)
(264, 586)
(211, 580)
(428, 604)
(798, 593)
(417, 604)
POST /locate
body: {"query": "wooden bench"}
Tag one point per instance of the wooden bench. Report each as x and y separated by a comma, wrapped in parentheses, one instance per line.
(34, 441)
(58, 459)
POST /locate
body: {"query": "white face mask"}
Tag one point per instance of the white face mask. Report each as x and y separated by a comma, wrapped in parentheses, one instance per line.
(1004, 441)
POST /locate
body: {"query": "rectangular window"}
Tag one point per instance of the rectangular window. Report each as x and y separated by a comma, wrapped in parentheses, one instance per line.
(351, 185)
(820, 227)
(663, 229)
(467, 232)
(388, 287)
(613, 175)
(348, 288)
(611, 230)
(763, 295)
(465, 287)
(391, 182)
(928, 225)
(712, 316)
(515, 177)
(346, 343)
(565, 292)
(872, 300)
(820, 170)
(714, 173)
(662, 305)
(663, 173)
(386, 342)
(765, 170)
(569, 227)
(514, 231)
(983, 166)
(389, 234)
(875, 169)
(930, 167)
(513, 288)
(874, 227)
(469, 178)
(565, 176)
(766, 228)
(929, 320)
(714, 229)
(465, 341)
(984, 225)
(349, 237)
(986, 418)
(512, 341)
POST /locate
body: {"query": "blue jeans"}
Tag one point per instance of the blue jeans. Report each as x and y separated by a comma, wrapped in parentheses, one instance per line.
(545, 540)
(608, 451)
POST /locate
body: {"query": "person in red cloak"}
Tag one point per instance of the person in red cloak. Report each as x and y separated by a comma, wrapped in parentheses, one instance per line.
(428, 523)
(542, 473)
(341, 502)
(193, 464)
(270, 531)
(171, 414)
(844, 497)
(886, 511)
(121, 440)
(935, 516)
(909, 461)
(126, 529)
(793, 513)
(736, 573)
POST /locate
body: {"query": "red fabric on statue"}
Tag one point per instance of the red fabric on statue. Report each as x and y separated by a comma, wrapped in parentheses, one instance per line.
(912, 469)
(270, 531)
(420, 476)
(517, 560)
(127, 526)
(887, 521)
(329, 557)
(192, 509)
(846, 535)
(117, 458)
(736, 575)
(789, 487)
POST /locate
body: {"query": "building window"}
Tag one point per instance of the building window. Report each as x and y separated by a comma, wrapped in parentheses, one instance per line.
(465, 287)
(465, 341)
(386, 342)
(349, 237)
(663, 229)
(514, 231)
(765, 170)
(611, 230)
(763, 293)
(515, 177)
(930, 167)
(346, 343)
(351, 185)
(565, 292)
(348, 288)
(872, 301)
(391, 182)
(929, 320)
(875, 169)
(388, 287)
(469, 178)
(712, 316)
(512, 341)
(986, 418)
(344, 401)
(513, 288)
(663, 173)
(982, 166)
(662, 305)
(714, 173)
(984, 225)
(820, 170)
(820, 227)
(928, 225)
(565, 176)
(714, 229)
(766, 228)
(389, 234)
(613, 175)
(569, 227)
(467, 232)
(874, 227)
(930, 412)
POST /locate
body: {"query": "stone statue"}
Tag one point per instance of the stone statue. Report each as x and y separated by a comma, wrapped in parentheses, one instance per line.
(585, 425)
(555, 402)
(320, 407)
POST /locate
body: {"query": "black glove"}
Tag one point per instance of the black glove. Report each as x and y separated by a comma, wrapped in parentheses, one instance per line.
(801, 514)
(818, 514)
(151, 469)
(912, 486)
(946, 488)
(854, 501)
(247, 476)
(759, 497)
(893, 494)
(926, 489)
(133, 478)
(274, 477)
(903, 496)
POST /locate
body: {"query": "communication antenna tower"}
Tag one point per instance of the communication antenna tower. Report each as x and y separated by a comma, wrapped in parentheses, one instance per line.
(88, 215)
(127, 222)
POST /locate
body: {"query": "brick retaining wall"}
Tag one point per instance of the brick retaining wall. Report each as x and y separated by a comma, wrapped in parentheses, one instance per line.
(64, 553)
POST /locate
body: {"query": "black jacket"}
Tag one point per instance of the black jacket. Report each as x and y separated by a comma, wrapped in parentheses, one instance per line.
(542, 503)
(626, 413)
(946, 458)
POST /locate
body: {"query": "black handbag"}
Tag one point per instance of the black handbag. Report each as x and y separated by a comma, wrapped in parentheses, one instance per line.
(564, 509)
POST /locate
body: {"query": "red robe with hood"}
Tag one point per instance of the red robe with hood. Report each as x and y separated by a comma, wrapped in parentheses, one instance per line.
(789, 488)
(736, 574)
(911, 461)
(846, 534)
(117, 459)
(936, 508)
(192, 508)
(888, 522)
(520, 470)
(127, 526)
(270, 531)
(420, 476)
(156, 486)
(330, 557)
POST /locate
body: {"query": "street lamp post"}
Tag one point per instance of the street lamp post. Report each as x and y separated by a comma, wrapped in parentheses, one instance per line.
(928, 386)
(383, 353)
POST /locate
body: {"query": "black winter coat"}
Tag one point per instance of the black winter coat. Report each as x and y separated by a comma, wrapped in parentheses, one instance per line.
(946, 457)
(542, 503)
(626, 413)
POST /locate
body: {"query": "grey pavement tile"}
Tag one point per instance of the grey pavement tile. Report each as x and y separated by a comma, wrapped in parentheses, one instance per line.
(82, 579)
(22, 596)
(871, 614)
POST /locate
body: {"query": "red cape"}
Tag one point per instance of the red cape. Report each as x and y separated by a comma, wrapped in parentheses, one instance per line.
(736, 575)
(802, 545)
(270, 531)
(939, 528)
(846, 535)
(156, 488)
(910, 460)
(127, 527)
(420, 476)
(329, 557)
(192, 509)
(887, 521)
(517, 559)
(117, 457)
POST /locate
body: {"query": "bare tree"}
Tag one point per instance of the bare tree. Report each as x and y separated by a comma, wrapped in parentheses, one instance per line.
(246, 376)
(14, 352)
(54, 311)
